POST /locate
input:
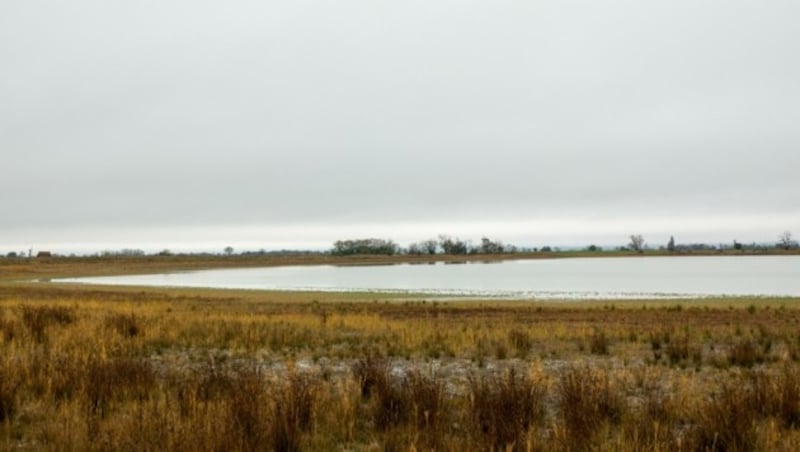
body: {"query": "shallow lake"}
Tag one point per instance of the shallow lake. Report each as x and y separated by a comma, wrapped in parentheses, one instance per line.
(572, 278)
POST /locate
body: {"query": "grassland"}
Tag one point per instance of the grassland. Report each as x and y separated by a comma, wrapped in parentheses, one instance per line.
(94, 368)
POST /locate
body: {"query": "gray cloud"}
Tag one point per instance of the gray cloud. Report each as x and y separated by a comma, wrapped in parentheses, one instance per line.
(148, 115)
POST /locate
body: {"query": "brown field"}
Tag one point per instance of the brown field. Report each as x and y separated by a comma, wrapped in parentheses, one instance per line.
(93, 368)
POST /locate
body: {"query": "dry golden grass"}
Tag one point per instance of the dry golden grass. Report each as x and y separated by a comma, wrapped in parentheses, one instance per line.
(85, 368)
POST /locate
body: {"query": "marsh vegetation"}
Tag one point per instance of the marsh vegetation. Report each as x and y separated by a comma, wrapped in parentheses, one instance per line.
(99, 369)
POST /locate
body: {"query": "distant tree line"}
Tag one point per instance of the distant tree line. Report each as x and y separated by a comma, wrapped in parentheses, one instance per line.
(125, 252)
(29, 254)
(449, 245)
(364, 246)
(784, 242)
(445, 244)
(281, 252)
(456, 246)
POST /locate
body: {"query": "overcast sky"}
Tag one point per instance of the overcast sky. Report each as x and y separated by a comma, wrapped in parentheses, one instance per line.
(271, 124)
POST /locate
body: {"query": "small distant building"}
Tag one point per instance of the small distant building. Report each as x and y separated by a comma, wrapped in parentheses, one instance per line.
(42, 254)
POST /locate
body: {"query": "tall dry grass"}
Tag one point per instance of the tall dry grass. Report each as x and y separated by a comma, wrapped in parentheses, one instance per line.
(505, 408)
(194, 372)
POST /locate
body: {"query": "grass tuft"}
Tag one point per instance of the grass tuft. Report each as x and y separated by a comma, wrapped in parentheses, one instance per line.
(248, 410)
(370, 372)
(37, 318)
(505, 407)
(127, 325)
(598, 343)
(678, 350)
(520, 340)
(9, 383)
(727, 421)
(745, 353)
(588, 401)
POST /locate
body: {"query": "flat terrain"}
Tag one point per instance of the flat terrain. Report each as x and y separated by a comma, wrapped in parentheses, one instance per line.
(22, 268)
(99, 368)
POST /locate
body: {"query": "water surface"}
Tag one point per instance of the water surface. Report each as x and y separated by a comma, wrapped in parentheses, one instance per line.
(596, 278)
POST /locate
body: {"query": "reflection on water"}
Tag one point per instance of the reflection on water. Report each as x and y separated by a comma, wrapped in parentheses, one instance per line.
(592, 278)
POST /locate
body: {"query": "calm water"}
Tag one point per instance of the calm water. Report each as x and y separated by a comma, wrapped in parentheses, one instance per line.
(649, 277)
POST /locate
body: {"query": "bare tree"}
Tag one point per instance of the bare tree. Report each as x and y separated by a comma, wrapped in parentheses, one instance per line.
(490, 247)
(228, 250)
(424, 247)
(430, 245)
(637, 243)
(785, 240)
(453, 245)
